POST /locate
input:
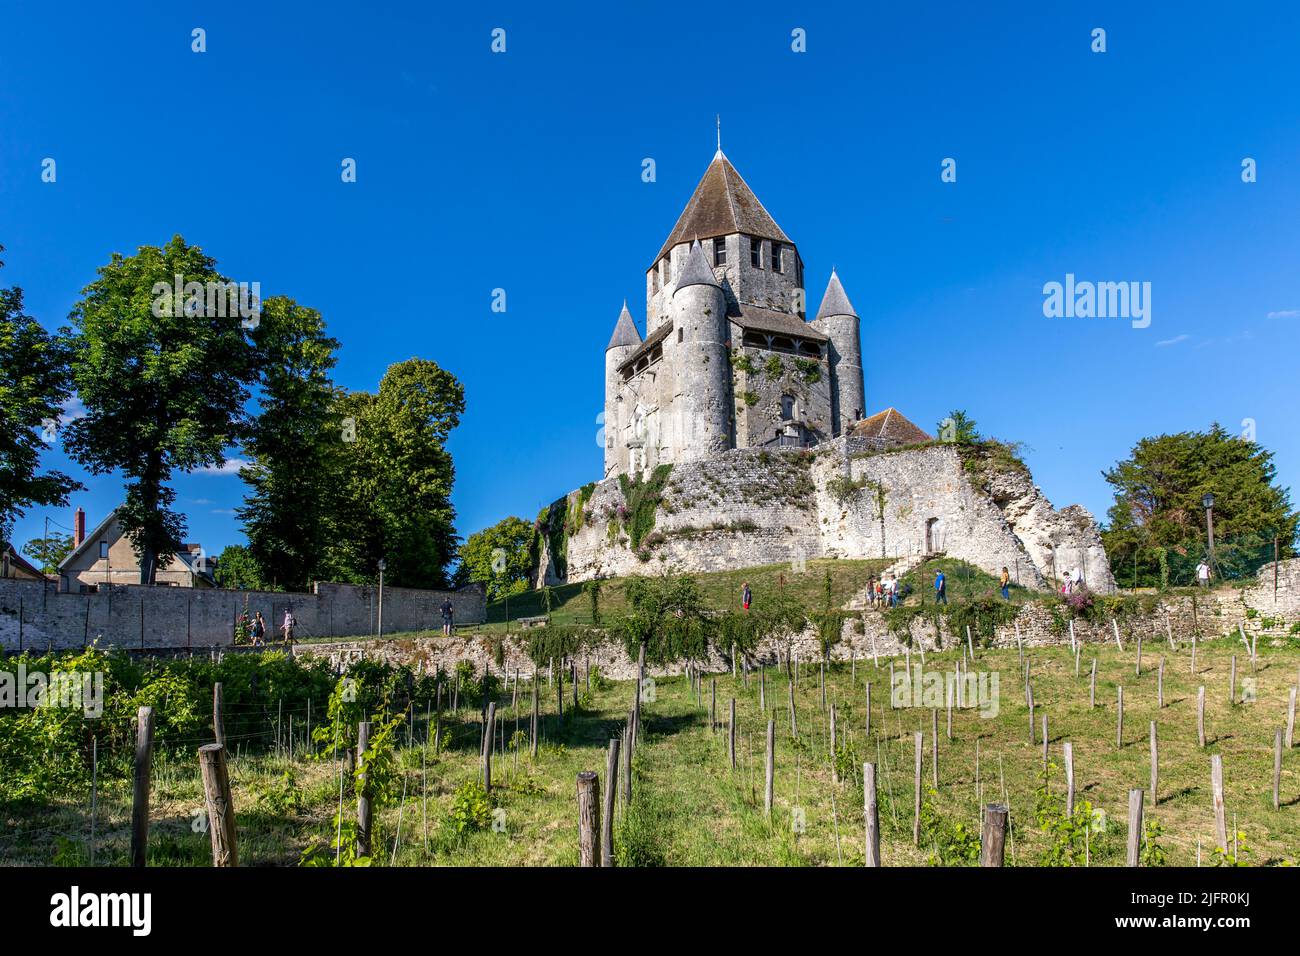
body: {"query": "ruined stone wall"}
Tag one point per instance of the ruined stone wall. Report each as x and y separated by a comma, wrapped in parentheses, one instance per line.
(748, 507)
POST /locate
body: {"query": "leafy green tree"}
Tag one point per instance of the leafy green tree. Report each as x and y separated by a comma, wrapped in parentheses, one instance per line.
(291, 444)
(1158, 516)
(669, 616)
(237, 568)
(34, 383)
(396, 477)
(958, 428)
(163, 382)
(497, 556)
(50, 551)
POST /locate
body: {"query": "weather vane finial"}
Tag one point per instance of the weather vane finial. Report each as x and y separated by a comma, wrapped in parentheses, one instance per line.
(719, 115)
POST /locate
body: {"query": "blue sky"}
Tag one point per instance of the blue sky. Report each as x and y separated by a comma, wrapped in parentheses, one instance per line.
(522, 171)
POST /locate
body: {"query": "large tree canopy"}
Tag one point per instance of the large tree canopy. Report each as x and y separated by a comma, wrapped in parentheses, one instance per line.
(291, 445)
(395, 476)
(34, 384)
(498, 556)
(1158, 521)
(163, 384)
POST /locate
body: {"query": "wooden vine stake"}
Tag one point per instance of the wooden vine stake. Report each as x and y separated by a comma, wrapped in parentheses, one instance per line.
(770, 774)
(607, 818)
(1134, 827)
(588, 817)
(871, 812)
(140, 793)
(919, 741)
(1068, 750)
(221, 809)
(1216, 787)
(1200, 716)
(993, 836)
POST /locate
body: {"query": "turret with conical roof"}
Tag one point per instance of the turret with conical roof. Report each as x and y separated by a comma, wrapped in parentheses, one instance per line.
(838, 321)
(625, 340)
(702, 400)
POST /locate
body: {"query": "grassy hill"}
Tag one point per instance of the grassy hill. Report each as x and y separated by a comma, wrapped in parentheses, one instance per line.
(570, 605)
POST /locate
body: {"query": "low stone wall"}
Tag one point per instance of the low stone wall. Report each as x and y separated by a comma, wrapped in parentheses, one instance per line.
(38, 618)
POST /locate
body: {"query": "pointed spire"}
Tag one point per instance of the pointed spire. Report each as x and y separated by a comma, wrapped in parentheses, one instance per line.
(721, 205)
(697, 270)
(625, 331)
(835, 302)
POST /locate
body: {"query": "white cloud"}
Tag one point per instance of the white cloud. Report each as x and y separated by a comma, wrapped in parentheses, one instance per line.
(230, 466)
(72, 410)
(1174, 341)
(223, 511)
(1284, 314)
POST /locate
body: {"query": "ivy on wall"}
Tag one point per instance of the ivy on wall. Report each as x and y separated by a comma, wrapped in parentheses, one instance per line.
(641, 498)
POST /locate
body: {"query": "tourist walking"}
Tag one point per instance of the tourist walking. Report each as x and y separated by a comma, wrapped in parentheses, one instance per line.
(259, 630)
(745, 595)
(940, 588)
(1203, 574)
(1004, 584)
(289, 625)
(447, 611)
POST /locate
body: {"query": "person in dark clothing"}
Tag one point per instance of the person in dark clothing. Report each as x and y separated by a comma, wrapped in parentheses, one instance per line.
(259, 630)
(447, 611)
(746, 596)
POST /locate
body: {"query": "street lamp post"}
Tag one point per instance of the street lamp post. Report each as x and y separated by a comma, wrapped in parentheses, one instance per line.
(381, 597)
(1207, 502)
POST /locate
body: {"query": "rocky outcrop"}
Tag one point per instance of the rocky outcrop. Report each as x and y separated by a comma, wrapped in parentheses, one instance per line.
(846, 498)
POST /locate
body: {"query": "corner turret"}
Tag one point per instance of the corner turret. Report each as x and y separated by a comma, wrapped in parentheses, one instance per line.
(622, 343)
(702, 403)
(837, 320)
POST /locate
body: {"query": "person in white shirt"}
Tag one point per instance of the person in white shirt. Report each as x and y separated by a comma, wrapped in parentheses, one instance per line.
(1203, 574)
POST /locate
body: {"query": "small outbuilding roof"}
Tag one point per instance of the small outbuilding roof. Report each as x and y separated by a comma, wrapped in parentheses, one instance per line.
(890, 427)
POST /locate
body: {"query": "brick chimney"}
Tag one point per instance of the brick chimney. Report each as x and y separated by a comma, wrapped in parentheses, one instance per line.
(78, 528)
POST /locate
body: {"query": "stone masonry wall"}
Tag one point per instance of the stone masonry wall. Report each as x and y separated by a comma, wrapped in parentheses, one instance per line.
(748, 507)
(159, 617)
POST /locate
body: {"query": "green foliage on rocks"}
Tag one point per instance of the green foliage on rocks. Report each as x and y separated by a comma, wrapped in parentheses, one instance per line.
(641, 498)
(809, 370)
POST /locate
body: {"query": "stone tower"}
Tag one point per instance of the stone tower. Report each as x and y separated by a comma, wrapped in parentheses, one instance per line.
(729, 358)
(701, 419)
(837, 320)
(622, 343)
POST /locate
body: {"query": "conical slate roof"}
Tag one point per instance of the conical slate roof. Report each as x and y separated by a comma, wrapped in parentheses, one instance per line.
(721, 205)
(835, 302)
(697, 270)
(625, 331)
